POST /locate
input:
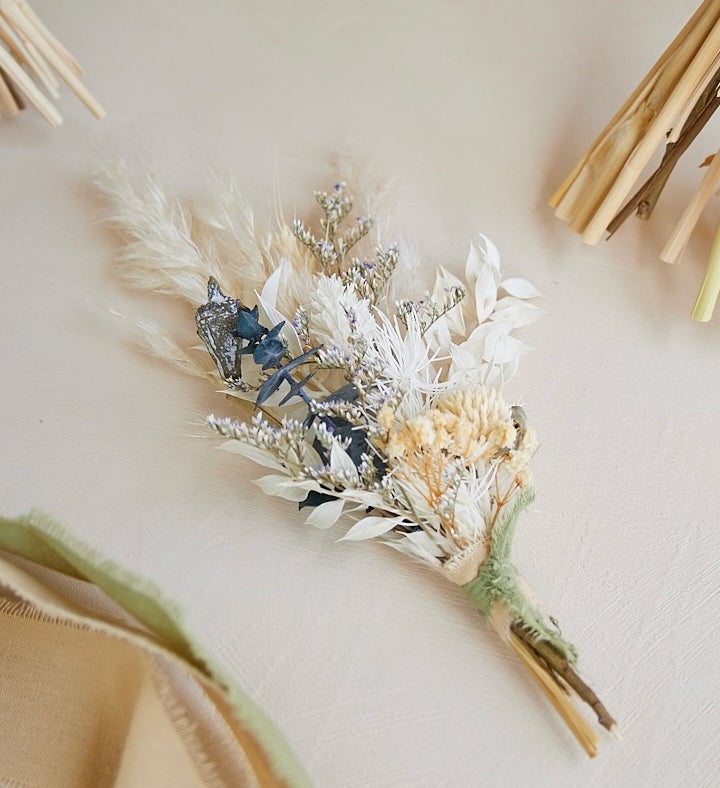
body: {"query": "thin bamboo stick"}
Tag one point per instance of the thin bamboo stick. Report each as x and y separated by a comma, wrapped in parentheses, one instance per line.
(25, 53)
(572, 717)
(710, 288)
(10, 66)
(7, 97)
(680, 50)
(50, 38)
(67, 74)
(682, 119)
(652, 138)
(678, 241)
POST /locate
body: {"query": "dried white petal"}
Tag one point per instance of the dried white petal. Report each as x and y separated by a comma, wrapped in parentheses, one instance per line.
(326, 514)
(285, 487)
(257, 455)
(370, 527)
(520, 288)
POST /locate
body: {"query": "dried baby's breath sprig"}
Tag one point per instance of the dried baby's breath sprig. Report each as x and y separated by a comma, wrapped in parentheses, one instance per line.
(673, 103)
(370, 279)
(427, 310)
(390, 415)
(331, 248)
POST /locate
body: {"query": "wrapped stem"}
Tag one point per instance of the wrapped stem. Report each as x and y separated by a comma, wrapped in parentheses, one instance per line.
(500, 595)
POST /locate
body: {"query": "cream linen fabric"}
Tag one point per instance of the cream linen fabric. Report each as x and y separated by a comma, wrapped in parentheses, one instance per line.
(91, 697)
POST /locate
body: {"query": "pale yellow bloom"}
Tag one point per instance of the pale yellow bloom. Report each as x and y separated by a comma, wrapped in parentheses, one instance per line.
(472, 425)
(467, 428)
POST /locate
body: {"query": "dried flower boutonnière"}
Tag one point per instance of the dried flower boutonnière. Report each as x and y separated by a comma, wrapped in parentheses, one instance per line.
(380, 410)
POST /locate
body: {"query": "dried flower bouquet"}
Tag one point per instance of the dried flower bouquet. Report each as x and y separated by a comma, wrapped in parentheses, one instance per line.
(383, 410)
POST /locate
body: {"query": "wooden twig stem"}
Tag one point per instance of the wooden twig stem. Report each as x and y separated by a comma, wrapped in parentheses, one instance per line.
(51, 39)
(677, 242)
(704, 15)
(577, 725)
(654, 135)
(682, 126)
(670, 159)
(560, 667)
(595, 191)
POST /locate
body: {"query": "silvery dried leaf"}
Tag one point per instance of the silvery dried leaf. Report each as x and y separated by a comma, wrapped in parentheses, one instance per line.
(217, 327)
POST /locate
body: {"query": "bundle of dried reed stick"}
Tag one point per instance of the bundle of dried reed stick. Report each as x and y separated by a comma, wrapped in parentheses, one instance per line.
(672, 104)
(30, 58)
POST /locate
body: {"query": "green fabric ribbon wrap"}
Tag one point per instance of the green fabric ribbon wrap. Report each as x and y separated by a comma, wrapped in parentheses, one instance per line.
(497, 581)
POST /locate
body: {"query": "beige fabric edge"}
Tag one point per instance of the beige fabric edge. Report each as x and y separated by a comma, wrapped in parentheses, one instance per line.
(49, 546)
(201, 740)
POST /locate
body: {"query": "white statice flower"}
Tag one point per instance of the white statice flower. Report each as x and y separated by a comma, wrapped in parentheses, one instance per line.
(336, 316)
(407, 364)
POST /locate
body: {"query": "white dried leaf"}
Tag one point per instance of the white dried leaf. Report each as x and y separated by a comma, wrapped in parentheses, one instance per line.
(483, 280)
(515, 312)
(370, 527)
(520, 288)
(254, 453)
(341, 462)
(366, 498)
(489, 253)
(269, 292)
(284, 487)
(425, 551)
(502, 349)
(473, 266)
(326, 514)
(510, 369)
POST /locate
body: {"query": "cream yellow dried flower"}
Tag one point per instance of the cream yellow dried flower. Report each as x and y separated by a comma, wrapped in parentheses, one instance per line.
(472, 425)
(517, 461)
(468, 428)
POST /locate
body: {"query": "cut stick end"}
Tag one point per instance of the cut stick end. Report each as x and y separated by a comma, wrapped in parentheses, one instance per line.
(703, 313)
(577, 725)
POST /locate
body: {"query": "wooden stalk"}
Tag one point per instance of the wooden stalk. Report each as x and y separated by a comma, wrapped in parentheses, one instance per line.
(654, 135)
(710, 288)
(704, 13)
(7, 97)
(593, 193)
(580, 729)
(677, 242)
(50, 38)
(15, 13)
(29, 88)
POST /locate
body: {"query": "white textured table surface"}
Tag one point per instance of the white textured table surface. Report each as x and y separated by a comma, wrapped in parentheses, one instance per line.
(377, 673)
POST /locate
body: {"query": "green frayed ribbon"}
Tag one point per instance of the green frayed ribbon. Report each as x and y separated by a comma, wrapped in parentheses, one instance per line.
(497, 581)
